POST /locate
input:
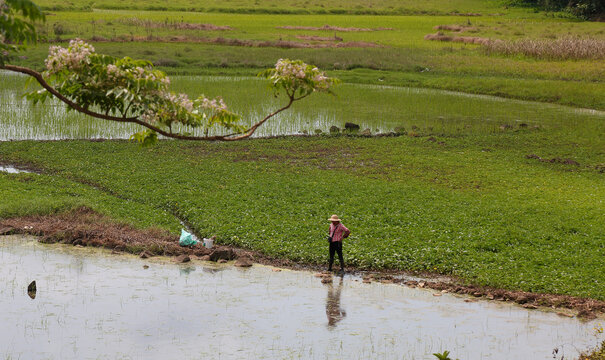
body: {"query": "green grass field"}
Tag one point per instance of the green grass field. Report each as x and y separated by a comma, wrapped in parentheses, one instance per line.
(288, 6)
(473, 207)
(404, 58)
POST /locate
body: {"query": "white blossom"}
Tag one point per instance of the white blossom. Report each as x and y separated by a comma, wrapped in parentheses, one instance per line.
(70, 58)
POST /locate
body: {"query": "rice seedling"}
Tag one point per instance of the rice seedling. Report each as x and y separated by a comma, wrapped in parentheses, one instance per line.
(374, 107)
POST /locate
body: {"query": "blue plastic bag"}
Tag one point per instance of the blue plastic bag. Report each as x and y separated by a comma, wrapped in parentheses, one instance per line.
(186, 239)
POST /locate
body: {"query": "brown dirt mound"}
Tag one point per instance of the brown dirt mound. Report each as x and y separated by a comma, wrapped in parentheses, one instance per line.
(587, 308)
(333, 28)
(463, 39)
(555, 160)
(248, 43)
(455, 28)
(465, 14)
(175, 25)
(290, 44)
(84, 227)
(205, 27)
(319, 38)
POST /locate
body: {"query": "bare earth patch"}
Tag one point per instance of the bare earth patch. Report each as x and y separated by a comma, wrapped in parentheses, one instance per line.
(319, 38)
(466, 14)
(84, 227)
(463, 39)
(332, 28)
(246, 43)
(455, 28)
(174, 25)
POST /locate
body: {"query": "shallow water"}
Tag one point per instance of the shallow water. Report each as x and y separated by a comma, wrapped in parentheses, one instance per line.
(12, 170)
(93, 305)
(375, 107)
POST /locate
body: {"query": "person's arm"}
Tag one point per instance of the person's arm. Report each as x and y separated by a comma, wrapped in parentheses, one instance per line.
(346, 232)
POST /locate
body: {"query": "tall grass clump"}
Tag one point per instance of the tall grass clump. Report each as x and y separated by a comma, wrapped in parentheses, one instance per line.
(559, 49)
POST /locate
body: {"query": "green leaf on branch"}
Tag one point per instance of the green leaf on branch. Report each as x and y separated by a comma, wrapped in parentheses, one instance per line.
(16, 26)
(145, 138)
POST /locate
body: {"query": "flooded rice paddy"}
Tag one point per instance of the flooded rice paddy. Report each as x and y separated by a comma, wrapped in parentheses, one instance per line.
(91, 304)
(378, 108)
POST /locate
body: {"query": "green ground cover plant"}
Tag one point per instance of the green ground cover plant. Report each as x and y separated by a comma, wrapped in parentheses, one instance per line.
(473, 207)
(34, 194)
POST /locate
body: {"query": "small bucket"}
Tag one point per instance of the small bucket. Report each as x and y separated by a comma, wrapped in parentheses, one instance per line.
(208, 243)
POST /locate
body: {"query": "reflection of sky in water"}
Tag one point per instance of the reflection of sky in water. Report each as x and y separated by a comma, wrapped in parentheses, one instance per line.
(108, 307)
(378, 108)
(12, 170)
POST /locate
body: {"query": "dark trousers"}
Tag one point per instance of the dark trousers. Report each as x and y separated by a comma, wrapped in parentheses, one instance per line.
(336, 246)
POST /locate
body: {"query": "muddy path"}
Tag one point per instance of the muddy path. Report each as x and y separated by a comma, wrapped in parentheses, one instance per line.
(83, 227)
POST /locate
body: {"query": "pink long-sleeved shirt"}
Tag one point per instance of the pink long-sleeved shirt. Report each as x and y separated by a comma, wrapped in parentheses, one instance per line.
(340, 232)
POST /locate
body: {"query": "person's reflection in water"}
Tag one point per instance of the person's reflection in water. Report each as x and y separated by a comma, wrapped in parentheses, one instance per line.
(333, 310)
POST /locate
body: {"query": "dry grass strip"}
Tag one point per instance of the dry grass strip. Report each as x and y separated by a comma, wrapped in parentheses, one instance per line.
(285, 44)
(332, 28)
(319, 38)
(462, 39)
(559, 49)
(455, 28)
(174, 25)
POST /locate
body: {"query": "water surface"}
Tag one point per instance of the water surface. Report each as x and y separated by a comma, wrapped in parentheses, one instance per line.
(373, 107)
(94, 305)
(12, 170)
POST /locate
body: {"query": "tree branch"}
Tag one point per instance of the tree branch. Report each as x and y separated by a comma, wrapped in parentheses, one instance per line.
(36, 75)
(135, 120)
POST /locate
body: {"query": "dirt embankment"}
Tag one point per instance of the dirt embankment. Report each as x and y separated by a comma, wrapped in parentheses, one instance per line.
(319, 38)
(174, 25)
(84, 227)
(285, 44)
(455, 28)
(463, 39)
(333, 28)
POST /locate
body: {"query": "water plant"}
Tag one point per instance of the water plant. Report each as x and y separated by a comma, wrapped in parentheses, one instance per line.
(443, 356)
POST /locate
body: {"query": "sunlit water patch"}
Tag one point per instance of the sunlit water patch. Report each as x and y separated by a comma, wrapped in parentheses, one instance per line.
(93, 305)
(377, 108)
(12, 170)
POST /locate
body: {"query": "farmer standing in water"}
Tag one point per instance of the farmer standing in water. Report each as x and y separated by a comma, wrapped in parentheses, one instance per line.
(337, 232)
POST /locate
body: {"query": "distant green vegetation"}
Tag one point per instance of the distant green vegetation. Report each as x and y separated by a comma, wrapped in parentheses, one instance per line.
(404, 58)
(286, 7)
(583, 8)
(470, 206)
